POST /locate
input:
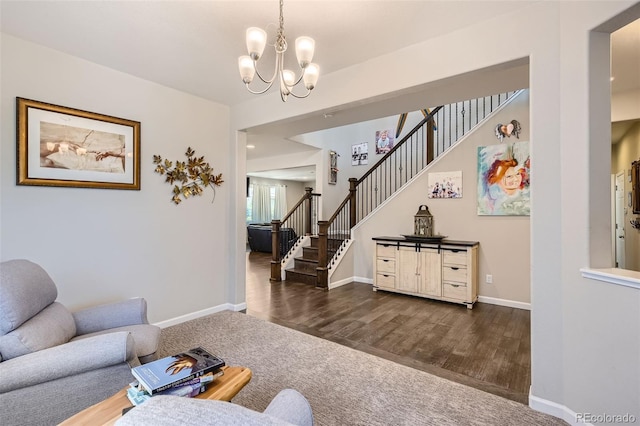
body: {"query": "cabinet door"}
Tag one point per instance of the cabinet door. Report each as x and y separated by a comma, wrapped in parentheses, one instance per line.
(430, 282)
(408, 264)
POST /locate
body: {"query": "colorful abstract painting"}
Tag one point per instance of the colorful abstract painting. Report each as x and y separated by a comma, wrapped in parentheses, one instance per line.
(504, 178)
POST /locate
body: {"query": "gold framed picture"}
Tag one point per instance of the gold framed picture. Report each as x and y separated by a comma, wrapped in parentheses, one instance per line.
(61, 146)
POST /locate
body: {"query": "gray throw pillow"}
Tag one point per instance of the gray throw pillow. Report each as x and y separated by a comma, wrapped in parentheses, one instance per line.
(53, 326)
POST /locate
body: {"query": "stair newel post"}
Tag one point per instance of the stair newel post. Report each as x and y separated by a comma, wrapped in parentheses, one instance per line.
(430, 154)
(353, 184)
(276, 274)
(323, 255)
(309, 206)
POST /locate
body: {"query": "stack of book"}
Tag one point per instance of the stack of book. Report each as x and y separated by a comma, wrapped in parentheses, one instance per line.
(185, 374)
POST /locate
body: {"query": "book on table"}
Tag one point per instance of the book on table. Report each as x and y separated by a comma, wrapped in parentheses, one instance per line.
(137, 394)
(168, 372)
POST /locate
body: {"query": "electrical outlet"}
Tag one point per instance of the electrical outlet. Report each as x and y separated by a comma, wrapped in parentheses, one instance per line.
(489, 279)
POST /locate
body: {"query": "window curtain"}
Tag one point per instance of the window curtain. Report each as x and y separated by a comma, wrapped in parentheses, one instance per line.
(280, 202)
(261, 204)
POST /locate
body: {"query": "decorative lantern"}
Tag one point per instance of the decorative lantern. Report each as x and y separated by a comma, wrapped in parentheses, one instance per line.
(423, 222)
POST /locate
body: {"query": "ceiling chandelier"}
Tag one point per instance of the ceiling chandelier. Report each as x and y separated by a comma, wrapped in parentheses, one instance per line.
(309, 72)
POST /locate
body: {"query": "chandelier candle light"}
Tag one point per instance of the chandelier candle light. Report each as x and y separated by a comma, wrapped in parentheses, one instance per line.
(257, 40)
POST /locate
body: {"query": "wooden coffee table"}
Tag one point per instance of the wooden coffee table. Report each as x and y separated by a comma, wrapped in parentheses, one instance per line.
(109, 411)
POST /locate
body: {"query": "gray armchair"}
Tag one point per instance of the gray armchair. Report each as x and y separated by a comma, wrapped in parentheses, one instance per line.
(288, 408)
(54, 363)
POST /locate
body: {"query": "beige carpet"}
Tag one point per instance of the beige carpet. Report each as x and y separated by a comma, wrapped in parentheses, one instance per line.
(343, 385)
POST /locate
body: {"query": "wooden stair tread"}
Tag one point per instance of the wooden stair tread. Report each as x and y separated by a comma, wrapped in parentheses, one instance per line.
(301, 272)
(310, 248)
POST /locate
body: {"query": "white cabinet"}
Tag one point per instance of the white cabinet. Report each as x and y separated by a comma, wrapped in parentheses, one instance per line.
(385, 264)
(419, 270)
(408, 269)
(445, 270)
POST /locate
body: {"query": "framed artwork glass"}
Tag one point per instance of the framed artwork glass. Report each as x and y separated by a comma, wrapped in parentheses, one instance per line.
(61, 146)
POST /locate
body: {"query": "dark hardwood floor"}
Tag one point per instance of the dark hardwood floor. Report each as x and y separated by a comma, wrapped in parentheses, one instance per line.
(487, 348)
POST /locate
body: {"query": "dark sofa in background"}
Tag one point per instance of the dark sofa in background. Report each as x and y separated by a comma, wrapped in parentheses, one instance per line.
(259, 235)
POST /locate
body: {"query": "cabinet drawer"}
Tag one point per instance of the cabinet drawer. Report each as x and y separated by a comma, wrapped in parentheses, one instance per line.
(387, 281)
(450, 257)
(386, 265)
(385, 251)
(454, 291)
(454, 273)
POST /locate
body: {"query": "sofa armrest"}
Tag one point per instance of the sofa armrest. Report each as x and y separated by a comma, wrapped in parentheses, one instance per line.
(291, 406)
(111, 315)
(163, 410)
(66, 360)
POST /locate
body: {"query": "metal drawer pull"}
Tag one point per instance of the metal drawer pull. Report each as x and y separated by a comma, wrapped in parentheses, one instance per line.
(385, 260)
(455, 268)
(455, 285)
(385, 276)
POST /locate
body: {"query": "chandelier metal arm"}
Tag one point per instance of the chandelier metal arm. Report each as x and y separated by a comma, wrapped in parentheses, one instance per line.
(269, 82)
(273, 77)
(256, 40)
(260, 92)
(300, 96)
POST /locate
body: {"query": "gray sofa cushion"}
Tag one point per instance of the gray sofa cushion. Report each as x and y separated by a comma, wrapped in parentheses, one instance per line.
(25, 290)
(111, 315)
(145, 336)
(66, 360)
(52, 402)
(53, 326)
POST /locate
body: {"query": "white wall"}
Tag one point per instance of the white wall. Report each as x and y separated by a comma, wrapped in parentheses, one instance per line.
(101, 245)
(585, 333)
(504, 240)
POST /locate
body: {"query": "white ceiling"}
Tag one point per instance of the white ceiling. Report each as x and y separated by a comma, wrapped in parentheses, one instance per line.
(193, 46)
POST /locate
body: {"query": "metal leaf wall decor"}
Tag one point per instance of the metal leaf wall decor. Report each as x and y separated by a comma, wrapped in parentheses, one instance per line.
(188, 178)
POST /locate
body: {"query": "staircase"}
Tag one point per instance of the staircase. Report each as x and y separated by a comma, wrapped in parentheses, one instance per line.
(305, 268)
(441, 128)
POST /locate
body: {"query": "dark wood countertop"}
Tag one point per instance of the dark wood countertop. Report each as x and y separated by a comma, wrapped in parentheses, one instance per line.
(443, 242)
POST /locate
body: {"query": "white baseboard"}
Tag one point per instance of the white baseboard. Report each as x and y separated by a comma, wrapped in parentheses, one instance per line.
(363, 280)
(504, 302)
(350, 279)
(201, 313)
(340, 283)
(554, 409)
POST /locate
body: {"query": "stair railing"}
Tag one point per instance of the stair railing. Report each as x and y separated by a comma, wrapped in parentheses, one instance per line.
(301, 220)
(400, 164)
(396, 168)
(440, 129)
